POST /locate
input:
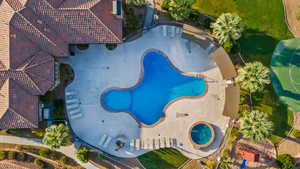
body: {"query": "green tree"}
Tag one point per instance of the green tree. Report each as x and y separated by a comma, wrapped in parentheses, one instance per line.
(179, 9)
(253, 76)
(210, 164)
(57, 136)
(256, 125)
(285, 161)
(226, 162)
(228, 27)
(138, 3)
(83, 154)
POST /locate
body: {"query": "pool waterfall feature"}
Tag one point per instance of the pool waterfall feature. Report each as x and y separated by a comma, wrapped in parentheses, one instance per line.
(160, 85)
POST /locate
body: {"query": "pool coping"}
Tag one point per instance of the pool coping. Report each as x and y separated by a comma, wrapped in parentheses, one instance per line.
(141, 77)
(212, 139)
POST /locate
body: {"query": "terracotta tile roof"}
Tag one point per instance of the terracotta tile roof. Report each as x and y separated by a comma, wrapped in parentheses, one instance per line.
(31, 33)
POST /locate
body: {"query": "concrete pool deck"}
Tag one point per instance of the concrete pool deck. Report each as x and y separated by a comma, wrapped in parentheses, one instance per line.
(97, 69)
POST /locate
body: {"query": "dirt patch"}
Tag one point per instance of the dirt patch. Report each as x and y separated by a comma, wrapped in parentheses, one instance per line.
(291, 7)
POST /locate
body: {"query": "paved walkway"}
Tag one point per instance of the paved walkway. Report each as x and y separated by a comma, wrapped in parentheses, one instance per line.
(68, 151)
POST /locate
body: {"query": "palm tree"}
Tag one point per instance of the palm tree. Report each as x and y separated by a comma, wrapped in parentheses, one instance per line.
(57, 136)
(256, 126)
(253, 76)
(226, 162)
(228, 27)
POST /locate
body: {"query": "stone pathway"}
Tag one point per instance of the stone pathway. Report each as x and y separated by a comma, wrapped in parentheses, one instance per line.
(68, 151)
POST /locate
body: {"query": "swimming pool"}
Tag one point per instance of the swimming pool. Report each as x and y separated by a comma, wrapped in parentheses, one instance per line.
(161, 84)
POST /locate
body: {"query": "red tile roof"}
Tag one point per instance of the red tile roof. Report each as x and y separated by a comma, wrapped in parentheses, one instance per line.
(248, 155)
(31, 33)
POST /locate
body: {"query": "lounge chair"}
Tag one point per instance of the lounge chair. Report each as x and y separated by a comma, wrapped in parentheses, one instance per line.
(72, 106)
(75, 111)
(151, 144)
(144, 144)
(167, 141)
(137, 144)
(172, 31)
(71, 101)
(76, 116)
(162, 143)
(70, 93)
(108, 140)
(164, 28)
(102, 140)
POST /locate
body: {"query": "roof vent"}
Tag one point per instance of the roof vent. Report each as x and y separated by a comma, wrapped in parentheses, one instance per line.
(39, 21)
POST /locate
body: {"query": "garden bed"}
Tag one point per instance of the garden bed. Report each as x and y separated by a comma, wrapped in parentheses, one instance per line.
(133, 19)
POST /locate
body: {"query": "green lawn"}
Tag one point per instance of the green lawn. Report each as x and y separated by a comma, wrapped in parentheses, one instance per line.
(265, 27)
(166, 158)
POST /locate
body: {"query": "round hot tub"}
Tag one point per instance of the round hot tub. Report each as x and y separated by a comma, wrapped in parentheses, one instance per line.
(201, 134)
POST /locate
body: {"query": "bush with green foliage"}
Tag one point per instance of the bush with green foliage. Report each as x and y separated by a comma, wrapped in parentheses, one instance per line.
(256, 125)
(226, 162)
(138, 3)
(111, 46)
(228, 45)
(57, 136)
(11, 155)
(53, 155)
(38, 163)
(2, 155)
(63, 159)
(285, 161)
(178, 9)
(210, 164)
(44, 152)
(253, 77)
(82, 46)
(83, 154)
(226, 152)
(132, 23)
(38, 132)
(48, 97)
(296, 133)
(21, 156)
(228, 27)
(59, 110)
(235, 132)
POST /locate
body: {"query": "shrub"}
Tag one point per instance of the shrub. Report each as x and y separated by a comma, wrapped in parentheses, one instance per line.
(111, 46)
(285, 161)
(82, 46)
(53, 155)
(18, 147)
(226, 152)
(138, 3)
(38, 132)
(83, 154)
(235, 132)
(44, 152)
(228, 45)
(48, 97)
(298, 14)
(21, 156)
(165, 4)
(59, 110)
(210, 164)
(11, 155)
(38, 163)
(63, 159)
(296, 133)
(2, 155)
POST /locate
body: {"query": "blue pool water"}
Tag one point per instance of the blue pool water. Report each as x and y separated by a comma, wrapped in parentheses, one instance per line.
(160, 85)
(201, 134)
